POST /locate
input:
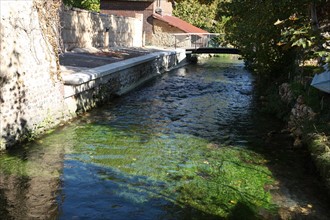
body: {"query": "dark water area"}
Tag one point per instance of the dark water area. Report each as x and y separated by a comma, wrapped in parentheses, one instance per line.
(190, 144)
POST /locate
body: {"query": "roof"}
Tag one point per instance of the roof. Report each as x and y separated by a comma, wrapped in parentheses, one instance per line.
(178, 23)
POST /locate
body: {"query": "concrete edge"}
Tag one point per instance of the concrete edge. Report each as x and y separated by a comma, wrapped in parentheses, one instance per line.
(101, 71)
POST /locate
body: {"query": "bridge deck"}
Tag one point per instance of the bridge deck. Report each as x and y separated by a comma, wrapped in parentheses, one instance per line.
(222, 50)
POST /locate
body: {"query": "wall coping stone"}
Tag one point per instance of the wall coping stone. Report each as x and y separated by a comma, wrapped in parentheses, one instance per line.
(101, 71)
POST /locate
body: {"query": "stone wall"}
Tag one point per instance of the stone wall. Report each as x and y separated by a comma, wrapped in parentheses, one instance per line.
(299, 114)
(126, 31)
(130, 9)
(144, 8)
(30, 97)
(163, 36)
(317, 144)
(33, 99)
(81, 28)
(165, 5)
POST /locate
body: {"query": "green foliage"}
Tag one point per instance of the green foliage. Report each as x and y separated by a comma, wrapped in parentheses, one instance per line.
(272, 34)
(301, 31)
(251, 29)
(92, 5)
(202, 14)
(196, 13)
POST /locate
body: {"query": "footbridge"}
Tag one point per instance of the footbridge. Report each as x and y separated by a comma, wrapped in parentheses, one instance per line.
(199, 43)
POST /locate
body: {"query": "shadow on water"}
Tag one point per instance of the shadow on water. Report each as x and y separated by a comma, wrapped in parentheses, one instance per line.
(189, 145)
(119, 195)
(298, 191)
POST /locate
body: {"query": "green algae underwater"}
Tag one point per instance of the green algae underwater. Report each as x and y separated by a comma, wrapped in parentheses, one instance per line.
(218, 180)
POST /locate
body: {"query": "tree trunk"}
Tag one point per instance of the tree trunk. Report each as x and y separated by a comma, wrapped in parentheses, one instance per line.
(314, 20)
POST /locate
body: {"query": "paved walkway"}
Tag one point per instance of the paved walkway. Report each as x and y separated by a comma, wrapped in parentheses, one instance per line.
(80, 59)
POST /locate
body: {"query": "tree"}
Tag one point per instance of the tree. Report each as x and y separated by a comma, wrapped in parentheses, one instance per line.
(202, 14)
(196, 13)
(92, 5)
(273, 34)
(306, 30)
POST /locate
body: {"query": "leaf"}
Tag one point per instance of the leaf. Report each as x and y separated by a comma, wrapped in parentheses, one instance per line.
(298, 32)
(278, 22)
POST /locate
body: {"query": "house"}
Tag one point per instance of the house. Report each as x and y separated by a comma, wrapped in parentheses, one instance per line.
(159, 24)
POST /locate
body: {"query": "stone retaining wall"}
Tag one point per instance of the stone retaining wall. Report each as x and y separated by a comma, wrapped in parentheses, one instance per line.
(81, 28)
(318, 145)
(32, 99)
(30, 96)
(84, 90)
(299, 114)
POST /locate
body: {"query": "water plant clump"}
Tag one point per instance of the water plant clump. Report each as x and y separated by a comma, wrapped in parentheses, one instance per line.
(189, 171)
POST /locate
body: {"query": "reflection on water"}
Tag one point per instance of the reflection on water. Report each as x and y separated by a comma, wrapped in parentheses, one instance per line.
(177, 148)
(29, 181)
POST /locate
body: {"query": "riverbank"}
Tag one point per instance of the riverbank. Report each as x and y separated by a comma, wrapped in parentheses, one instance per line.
(306, 112)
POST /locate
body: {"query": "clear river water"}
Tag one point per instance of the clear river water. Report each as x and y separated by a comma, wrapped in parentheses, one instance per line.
(190, 144)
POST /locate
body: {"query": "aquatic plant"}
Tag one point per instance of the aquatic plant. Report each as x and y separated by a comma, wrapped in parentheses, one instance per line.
(189, 171)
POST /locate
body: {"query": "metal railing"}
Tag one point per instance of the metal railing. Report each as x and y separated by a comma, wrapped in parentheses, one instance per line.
(195, 40)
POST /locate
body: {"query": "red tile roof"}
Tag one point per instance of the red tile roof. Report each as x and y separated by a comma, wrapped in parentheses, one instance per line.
(178, 23)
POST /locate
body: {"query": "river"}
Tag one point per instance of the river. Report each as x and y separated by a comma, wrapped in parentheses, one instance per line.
(190, 144)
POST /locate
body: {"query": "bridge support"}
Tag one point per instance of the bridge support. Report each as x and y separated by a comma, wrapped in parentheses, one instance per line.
(192, 58)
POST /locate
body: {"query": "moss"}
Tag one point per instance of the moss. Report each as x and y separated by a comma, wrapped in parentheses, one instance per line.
(319, 147)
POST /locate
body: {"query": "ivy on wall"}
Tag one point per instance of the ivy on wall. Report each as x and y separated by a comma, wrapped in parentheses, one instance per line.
(48, 13)
(92, 5)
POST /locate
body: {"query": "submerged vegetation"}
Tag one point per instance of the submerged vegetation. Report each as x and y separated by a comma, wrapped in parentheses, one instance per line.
(184, 170)
(193, 172)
